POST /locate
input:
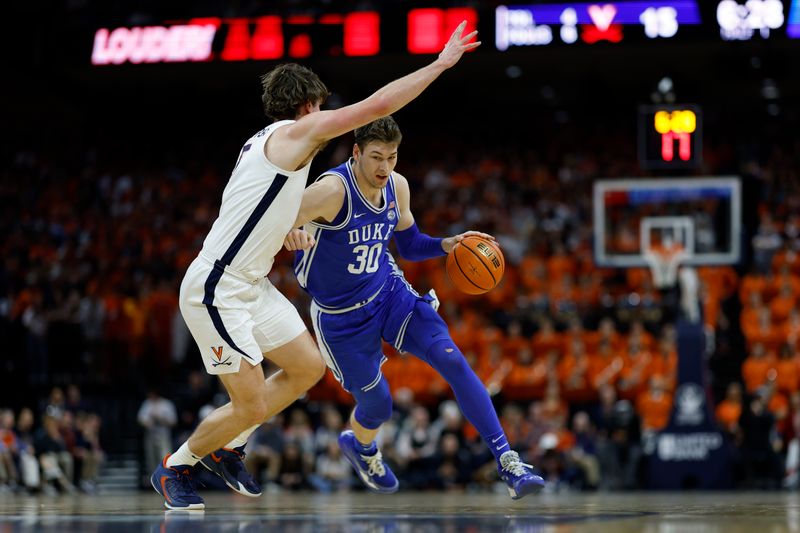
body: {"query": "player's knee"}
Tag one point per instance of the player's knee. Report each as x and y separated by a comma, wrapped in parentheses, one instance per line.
(446, 358)
(306, 369)
(314, 370)
(254, 410)
(374, 406)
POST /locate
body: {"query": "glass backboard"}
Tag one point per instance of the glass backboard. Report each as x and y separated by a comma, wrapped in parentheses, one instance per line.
(702, 215)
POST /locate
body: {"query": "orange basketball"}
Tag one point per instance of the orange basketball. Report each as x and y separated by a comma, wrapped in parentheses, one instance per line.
(475, 265)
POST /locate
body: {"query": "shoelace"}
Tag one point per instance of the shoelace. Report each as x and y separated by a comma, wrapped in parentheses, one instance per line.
(511, 463)
(375, 463)
(185, 483)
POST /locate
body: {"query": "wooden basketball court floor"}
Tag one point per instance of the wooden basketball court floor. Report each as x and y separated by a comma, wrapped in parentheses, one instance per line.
(651, 512)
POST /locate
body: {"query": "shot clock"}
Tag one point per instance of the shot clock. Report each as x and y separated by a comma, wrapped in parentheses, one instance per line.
(670, 136)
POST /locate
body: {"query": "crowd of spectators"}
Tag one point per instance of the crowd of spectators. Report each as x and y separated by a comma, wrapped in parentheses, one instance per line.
(54, 448)
(579, 360)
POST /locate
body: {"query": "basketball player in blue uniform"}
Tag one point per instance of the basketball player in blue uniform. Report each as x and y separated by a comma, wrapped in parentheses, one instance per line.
(234, 313)
(360, 297)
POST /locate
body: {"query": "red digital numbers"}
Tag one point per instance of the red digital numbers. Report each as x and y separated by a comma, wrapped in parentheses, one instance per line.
(429, 28)
(361, 36)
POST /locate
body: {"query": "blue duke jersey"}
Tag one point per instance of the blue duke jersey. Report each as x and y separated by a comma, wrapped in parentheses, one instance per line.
(349, 263)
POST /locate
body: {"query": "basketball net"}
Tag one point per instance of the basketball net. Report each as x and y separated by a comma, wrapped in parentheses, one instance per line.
(664, 262)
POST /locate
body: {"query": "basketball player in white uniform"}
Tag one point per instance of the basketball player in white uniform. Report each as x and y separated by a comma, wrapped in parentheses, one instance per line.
(235, 315)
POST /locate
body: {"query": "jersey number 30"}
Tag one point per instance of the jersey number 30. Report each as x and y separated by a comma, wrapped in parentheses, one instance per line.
(367, 258)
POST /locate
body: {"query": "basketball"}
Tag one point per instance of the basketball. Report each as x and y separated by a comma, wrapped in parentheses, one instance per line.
(475, 265)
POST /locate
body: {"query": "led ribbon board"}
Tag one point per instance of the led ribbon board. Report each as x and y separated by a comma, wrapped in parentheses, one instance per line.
(793, 26)
(527, 25)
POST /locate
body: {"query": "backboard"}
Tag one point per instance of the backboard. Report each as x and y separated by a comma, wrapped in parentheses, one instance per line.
(702, 215)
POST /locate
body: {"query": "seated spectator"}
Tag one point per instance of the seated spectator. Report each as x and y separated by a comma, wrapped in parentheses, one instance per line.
(766, 242)
(28, 461)
(606, 333)
(783, 303)
(618, 449)
(788, 372)
(56, 462)
(528, 378)
(605, 366)
(791, 479)
(328, 431)
(665, 362)
(729, 410)
(9, 451)
(332, 472)
(547, 339)
(516, 428)
(756, 367)
(763, 332)
(761, 464)
(790, 330)
(515, 341)
(299, 431)
(452, 464)
(634, 374)
(416, 444)
(88, 453)
(265, 450)
(654, 405)
(294, 469)
(575, 374)
(584, 452)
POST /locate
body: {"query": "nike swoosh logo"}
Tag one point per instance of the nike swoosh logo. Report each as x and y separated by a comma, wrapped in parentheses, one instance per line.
(497, 439)
(215, 458)
(501, 447)
(359, 215)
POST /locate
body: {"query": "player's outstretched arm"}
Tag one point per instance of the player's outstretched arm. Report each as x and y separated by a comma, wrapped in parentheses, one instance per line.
(411, 243)
(325, 125)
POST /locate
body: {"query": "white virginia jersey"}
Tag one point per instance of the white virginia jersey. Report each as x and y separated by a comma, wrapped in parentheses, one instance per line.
(259, 207)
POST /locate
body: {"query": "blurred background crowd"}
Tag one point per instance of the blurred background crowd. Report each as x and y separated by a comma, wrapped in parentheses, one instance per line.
(579, 361)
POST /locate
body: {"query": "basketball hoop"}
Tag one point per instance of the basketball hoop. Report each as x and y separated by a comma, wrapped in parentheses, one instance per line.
(664, 262)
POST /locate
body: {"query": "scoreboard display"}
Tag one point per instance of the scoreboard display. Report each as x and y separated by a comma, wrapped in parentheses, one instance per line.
(400, 28)
(670, 136)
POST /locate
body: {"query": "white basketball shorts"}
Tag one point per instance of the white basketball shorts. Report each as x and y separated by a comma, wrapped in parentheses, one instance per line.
(232, 318)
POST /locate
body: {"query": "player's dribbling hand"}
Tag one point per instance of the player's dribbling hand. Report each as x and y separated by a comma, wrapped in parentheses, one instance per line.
(457, 45)
(298, 239)
(450, 242)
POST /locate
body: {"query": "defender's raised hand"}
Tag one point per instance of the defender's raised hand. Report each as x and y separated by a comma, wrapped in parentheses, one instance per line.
(457, 45)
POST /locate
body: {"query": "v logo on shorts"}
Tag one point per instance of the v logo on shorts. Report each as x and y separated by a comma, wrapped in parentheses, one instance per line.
(218, 353)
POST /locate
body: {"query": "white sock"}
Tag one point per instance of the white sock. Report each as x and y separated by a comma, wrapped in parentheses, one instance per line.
(241, 440)
(183, 456)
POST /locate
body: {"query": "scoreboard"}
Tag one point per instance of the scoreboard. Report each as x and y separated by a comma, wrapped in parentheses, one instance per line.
(400, 28)
(670, 136)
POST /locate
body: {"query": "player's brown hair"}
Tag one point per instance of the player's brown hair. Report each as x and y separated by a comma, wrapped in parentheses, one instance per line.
(287, 87)
(385, 130)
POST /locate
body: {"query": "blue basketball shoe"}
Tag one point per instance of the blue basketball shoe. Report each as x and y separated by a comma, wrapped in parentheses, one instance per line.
(229, 465)
(375, 474)
(176, 485)
(518, 478)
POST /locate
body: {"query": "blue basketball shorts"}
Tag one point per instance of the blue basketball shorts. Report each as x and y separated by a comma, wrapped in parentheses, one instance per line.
(350, 341)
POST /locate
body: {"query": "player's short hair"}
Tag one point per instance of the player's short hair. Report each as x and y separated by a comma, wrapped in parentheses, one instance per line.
(287, 87)
(384, 130)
